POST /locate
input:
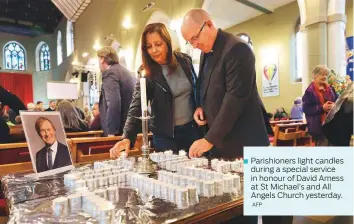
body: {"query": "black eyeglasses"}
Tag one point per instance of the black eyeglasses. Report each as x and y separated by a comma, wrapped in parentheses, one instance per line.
(193, 39)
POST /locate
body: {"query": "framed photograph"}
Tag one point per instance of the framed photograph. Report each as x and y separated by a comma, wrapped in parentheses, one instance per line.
(46, 141)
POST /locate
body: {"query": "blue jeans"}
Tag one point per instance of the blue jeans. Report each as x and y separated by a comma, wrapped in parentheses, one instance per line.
(184, 136)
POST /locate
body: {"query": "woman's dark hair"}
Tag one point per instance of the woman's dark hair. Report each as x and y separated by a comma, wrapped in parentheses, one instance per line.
(149, 64)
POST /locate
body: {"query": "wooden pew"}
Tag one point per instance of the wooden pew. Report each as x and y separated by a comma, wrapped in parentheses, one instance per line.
(273, 123)
(294, 134)
(84, 134)
(94, 149)
(15, 157)
(18, 135)
(14, 153)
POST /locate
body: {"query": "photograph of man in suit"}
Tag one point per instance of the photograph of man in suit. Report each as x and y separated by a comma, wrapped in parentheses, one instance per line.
(54, 154)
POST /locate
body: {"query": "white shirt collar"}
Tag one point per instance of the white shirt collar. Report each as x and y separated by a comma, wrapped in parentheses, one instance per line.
(54, 149)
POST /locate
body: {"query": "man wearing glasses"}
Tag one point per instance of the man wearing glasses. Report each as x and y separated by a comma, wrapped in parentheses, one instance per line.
(227, 94)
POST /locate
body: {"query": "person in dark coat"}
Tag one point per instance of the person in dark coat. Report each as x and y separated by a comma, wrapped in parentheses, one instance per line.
(116, 93)
(11, 100)
(229, 102)
(54, 154)
(317, 101)
(338, 125)
(52, 106)
(170, 86)
(281, 114)
(96, 123)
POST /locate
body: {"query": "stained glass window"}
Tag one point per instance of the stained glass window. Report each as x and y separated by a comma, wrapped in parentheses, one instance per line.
(15, 57)
(44, 57)
(59, 49)
(69, 38)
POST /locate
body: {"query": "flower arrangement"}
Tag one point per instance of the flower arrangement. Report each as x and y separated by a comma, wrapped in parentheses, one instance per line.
(338, 82)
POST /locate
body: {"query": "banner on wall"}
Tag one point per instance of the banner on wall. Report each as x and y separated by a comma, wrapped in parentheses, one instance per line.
(350, 57)
(270, 79)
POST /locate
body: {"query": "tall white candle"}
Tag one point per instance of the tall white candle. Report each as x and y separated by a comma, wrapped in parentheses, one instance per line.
(143, 93)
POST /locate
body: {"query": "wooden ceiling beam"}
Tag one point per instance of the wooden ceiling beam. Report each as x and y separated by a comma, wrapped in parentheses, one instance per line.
(255, 6)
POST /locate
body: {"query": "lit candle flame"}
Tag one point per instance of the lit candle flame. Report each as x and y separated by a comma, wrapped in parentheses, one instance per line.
(143, 74)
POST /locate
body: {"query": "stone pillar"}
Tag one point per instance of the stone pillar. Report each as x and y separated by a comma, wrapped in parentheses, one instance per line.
(314, 23)
(336, 36)
(304, 59)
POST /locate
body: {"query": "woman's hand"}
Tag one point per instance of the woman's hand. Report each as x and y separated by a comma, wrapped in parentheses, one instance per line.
(328, 106)
(123, 145)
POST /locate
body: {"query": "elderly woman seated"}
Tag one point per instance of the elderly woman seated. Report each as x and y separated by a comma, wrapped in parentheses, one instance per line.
(71, 118)
(281, 114)
(296, 110)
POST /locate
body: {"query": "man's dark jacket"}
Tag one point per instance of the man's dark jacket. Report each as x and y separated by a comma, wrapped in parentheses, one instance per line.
(229, 97)
(62, 158)
(116, 95)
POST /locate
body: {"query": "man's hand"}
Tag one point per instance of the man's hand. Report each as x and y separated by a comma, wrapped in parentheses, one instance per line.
(199, 147)
(123, 145)
(199, 117)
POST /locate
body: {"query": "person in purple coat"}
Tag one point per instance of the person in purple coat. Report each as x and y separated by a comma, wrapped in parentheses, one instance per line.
(318, 99)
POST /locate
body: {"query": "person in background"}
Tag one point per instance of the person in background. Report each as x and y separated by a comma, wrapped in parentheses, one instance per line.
(281, 114)
(12, 116)
(116, 93)
(96, 123)
(31, 107)
(270, 116)
(12, 101)
(338, 125)
(170, 85)
(70, 117)
(88, 116)
(39, 106)
(318, 99)
(79, 111)
(296, 110)
(52, 106)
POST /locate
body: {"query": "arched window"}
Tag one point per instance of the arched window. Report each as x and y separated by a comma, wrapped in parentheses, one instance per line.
(59, 49)
(43, 55)
(15, 56)
(298, 51)
(69, 38)
(246, 38)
